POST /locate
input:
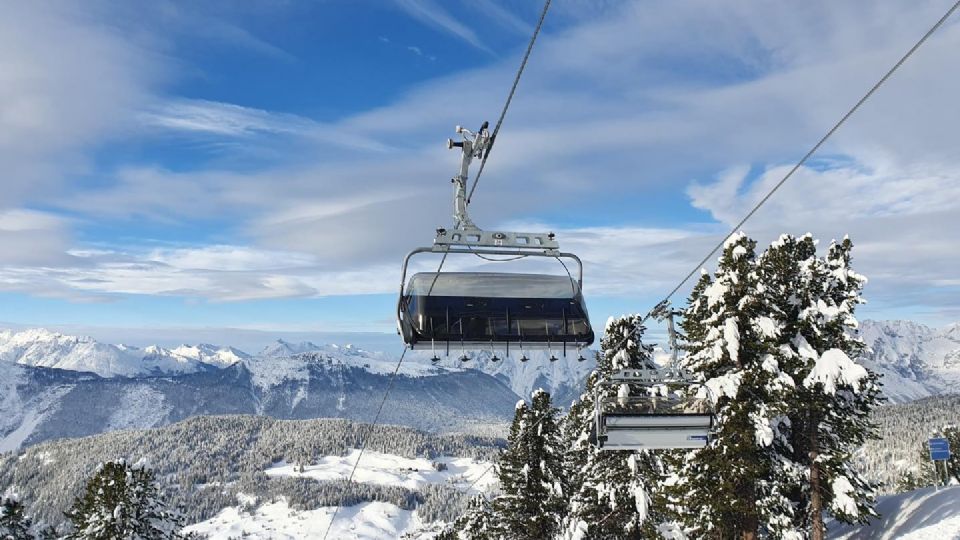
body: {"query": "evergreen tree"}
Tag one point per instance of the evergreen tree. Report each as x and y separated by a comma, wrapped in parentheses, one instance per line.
(831, 395)
(734, 487)
(615, 493)
(952, 434)
(14, 525)
(926, 473)
(476, 524)
(121, 501)
(531, 503)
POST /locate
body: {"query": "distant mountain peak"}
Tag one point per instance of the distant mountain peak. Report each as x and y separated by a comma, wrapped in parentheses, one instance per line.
(45, 348)
(281, 348)
(915, 360)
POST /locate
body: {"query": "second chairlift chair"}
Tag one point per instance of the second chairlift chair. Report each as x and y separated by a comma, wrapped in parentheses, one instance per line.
(652, 408)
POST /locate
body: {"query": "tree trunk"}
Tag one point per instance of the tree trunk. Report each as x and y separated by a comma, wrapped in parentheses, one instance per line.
(816, 501)
(751, 521)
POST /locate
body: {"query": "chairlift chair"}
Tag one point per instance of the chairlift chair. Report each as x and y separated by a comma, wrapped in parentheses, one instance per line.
(652, 407)
(480, 310)
(660, 415)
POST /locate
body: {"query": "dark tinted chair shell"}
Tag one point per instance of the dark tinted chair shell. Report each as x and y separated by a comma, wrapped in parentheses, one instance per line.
(483, 308)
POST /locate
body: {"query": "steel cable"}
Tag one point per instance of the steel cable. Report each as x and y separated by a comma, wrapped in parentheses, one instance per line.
(513, 89)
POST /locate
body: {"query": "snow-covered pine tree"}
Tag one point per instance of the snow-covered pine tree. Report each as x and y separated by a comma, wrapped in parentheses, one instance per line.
(14, 524)
(532, 483)
(614, 492)
(952, 434)
(476, 524)
(122, 501)
(832, 394)
(733, 488)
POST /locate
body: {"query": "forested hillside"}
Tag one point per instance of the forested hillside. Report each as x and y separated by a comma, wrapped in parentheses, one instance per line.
(204, 463)
(903, 433)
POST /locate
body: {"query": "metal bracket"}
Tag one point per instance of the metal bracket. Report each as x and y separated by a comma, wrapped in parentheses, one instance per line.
(472, 146)
(497, 239)
(465, 232)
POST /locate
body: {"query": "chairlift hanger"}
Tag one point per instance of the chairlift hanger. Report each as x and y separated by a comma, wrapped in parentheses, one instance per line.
(656, 411)
(478, 310)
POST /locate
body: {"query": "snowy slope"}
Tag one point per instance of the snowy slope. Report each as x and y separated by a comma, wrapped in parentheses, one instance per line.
(392, 470)
(43, 348)
(228, 474)
(924, 514)
(285, 360)
(916, 361)
(252, 518)
(276, 520)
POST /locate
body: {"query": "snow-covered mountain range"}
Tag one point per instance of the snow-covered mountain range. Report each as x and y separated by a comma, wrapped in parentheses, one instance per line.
(94, 387)
(43, 348)
(39, 404)
(915, 360)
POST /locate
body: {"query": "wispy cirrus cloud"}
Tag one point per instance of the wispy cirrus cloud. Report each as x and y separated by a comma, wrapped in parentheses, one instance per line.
(66, 86)
(703, 103)
(432, 14)
(204, 117)
(502, 16)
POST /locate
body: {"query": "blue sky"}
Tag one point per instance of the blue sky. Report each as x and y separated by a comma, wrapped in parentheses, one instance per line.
(265, 165)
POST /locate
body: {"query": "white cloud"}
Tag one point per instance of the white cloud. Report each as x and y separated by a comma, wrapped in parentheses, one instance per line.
(638, 100)
(232, 273)
(502, 16)
(216, 119)
(434, 15)
(65, 86)
(217, 273)
(901, 219)
(33, 238)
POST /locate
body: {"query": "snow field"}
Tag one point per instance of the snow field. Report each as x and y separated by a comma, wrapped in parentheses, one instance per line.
(367, 521)
(924, 514)
(391, 470)
(276, 520)
(29, 416)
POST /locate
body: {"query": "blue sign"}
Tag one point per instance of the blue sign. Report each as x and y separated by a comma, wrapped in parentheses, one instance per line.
(939, 449)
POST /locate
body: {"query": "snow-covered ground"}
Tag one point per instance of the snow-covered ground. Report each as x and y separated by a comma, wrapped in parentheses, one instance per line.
(367, 521)
(140, 406)
(276, 520)
(388, 469)
(924, 514)
(25, 416)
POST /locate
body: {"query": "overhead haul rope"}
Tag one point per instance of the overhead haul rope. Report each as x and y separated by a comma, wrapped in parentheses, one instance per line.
(809, 153)
(719, 245)
(363, 444)
(376, 418)
(513, 89)
(786, 177)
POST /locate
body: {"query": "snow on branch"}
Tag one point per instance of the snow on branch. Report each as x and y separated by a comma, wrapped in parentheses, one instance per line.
(833, 367)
